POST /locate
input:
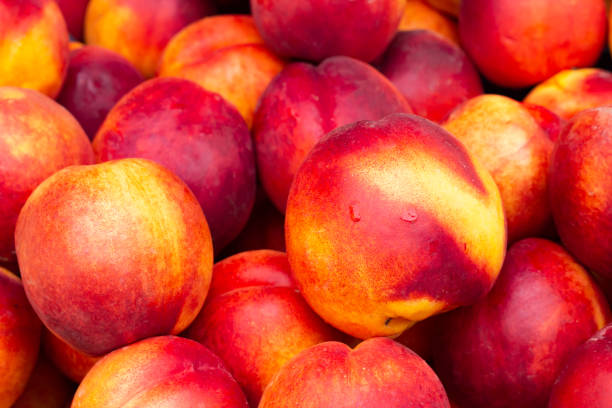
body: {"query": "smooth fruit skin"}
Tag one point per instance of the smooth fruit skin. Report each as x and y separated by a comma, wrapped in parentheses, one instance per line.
(320, 29)
(378, 371)
(433, 75)
(74, 14)
(113, 253)
(378, 215)
(73, 363)
(256, 320)
(303, 103)
(549, 121)
(507, 350)
(247, 269)
(224, 54)
(47, 388)
(198, 136)
(33, 45)
(37, 138)
(580, 181)
(19, 338)
(418, 15)
(586, 376)
(511, 145)
(138, 30)
(517, 43)
(573, 90)
(97, 78)
(160, 372)
(451, 7)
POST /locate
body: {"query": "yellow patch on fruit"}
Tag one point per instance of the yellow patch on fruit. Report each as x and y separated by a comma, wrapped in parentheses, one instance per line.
(470, 216)
(110, 25)
(36, 57)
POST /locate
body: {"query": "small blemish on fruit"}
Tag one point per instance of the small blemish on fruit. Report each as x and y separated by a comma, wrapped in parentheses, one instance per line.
(388, 321)
(354, 212)
(409, 215)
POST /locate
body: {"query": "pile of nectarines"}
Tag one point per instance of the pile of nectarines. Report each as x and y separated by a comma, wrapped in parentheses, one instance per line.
(305, 203)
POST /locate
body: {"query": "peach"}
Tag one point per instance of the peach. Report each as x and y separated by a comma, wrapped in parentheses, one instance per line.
(96, 80)
(586, 376)
(418, 15)
(378, 372)
(304, 103)
(139, 30)
(74, 14)
(397, 221)
(47, 388)
(264, 230)
(37, 138)
(255, 320)
(518, 43)
(320, 29)
(433, 75)
(226, 55)
(113, 253)
(549, 121)
(73, 363)
(450, 7)
(197, 135)
(580, 181)
(19, 338)
(160, 372)
(511, 145)
(507, 350)
(33, 45)
(573, 90)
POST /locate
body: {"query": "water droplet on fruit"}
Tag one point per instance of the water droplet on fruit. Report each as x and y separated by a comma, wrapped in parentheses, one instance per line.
(354, 211)
(409, 215)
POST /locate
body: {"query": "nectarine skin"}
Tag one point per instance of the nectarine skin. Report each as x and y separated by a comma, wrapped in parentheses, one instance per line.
(378, 216)
(197, 135)
(433, 75)
(586, 376)
(256, 320)
(224, 54)
(318, 29)
(573, 90)
(33, 45)
(504, 136)
(451, 7)
(262, 267)
(97, 78)
(580, 181)
(113, 253)
(205, 36)
(507, 350)
(73, 363)
(47, 388)
(37, 138)
(418, 15)
(19, 338)
(138, 29)
(160, 372)
(305, 102)
(549, 121)
(378, 372)
(517, 43)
